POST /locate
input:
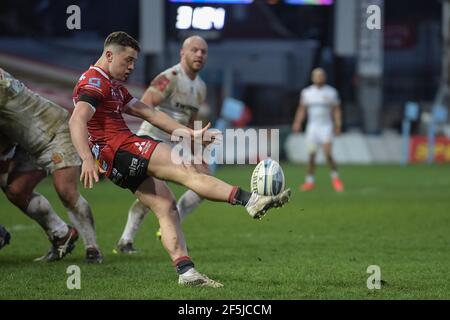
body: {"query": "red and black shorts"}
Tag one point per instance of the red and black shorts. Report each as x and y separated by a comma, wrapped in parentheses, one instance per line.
(129, 168)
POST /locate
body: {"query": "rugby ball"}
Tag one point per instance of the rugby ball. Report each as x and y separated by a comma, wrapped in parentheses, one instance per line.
(267, 178)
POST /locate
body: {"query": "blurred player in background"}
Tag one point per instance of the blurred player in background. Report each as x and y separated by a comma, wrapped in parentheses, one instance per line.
(40, 128)
(320, 102)
(141, 163)
(178, 92)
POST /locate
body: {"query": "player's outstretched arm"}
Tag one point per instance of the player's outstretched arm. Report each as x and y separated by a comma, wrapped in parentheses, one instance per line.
(161, 120)
(79, 134)
(152, 98)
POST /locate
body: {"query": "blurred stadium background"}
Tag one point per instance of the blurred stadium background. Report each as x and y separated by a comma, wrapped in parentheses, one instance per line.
(262, 53)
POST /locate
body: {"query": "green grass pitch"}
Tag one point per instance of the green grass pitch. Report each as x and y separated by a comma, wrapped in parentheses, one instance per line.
(317, 247)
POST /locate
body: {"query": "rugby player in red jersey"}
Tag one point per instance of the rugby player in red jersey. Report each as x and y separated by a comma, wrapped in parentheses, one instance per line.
(139, 163)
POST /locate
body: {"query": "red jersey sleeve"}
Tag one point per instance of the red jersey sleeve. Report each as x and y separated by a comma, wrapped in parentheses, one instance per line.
(92, 86)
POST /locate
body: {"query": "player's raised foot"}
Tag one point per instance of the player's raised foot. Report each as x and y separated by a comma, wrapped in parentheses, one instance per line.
(158, 234)
(93, 256)
(307, 186)
(193, 278)
(60, 246)
(125, 248)
(337, 185)
(258, 204)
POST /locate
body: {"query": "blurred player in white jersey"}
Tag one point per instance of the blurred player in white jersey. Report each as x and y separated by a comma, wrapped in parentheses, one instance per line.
(321, 103)
(41, 129)
(179, 92)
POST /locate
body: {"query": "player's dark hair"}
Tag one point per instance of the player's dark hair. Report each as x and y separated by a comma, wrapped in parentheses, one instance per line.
(123, 39)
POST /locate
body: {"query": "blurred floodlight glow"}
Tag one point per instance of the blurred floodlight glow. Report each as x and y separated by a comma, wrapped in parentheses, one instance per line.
(213, 1)
(207, 18)
(313, 2)
(295, 2)
(184, 17)
(202, 18)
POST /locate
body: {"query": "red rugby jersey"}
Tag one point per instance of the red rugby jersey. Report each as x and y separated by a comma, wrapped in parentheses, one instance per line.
(107, 126)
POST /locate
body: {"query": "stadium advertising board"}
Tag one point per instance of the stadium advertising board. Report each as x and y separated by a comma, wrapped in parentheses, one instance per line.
(418, 149)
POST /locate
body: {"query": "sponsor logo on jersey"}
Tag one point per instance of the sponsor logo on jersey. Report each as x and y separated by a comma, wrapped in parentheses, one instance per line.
(57, 158)
(133, 167)
(104, 165)
(116, 177)
(96, 82)
(161, 82)
(95, 151)
(186, 107)
(140, 145)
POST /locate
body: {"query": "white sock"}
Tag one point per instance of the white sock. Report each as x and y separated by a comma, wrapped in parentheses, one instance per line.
(187, 203)
(40, 210)
(334, 174)
(309, 178)
(82, 219)
(136, 215)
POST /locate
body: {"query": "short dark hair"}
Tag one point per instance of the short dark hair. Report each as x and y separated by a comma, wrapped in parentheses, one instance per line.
(122, 38)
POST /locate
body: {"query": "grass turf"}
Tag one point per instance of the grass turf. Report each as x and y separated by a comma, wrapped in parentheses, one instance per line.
(317, 247)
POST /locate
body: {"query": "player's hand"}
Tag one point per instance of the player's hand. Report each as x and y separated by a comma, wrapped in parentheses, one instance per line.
(199, 133)
(89, 173)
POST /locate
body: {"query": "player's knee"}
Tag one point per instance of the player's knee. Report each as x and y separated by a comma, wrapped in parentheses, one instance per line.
(185, 172)
(17, 195)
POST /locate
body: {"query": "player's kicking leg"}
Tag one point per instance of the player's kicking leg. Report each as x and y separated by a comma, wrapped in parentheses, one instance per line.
(162, 166)
(157, 196)
(189, 201)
